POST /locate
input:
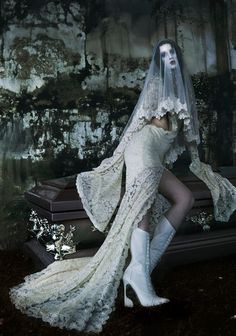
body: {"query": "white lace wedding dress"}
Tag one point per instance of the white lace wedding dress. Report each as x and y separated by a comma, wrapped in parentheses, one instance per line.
(80, 293)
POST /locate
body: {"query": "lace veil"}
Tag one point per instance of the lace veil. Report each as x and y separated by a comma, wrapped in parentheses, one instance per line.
(80, 293)
(167, 88)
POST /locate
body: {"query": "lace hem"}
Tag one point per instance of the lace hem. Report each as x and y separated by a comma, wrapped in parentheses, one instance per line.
(86, 205)
(100, 192)
(173, 106)
(173, 154)
(80, 293)
(222, 191)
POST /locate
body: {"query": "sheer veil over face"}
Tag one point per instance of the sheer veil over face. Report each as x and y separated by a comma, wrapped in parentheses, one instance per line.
(80, 293)
(167, 88)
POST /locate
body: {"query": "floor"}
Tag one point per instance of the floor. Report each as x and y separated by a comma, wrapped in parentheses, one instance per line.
(203, 302)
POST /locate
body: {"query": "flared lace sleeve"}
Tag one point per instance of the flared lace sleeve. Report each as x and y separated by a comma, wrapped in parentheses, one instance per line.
(222, 191)
(193, 151)
(100, 192)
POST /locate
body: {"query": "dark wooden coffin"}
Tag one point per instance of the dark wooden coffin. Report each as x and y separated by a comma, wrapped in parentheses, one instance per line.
(58, 201)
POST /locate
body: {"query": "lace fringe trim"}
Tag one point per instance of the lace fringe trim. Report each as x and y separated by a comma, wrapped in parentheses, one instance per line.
(222, 191)
(173, 154)
(86, 205)
(93, 321)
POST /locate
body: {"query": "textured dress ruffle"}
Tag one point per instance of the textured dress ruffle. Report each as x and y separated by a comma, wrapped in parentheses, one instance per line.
(80, 293)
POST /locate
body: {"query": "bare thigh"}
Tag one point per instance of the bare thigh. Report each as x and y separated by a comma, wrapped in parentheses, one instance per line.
(172, 188)
(178, 195)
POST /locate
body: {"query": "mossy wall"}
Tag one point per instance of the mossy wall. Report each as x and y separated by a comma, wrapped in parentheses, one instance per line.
(71, 73)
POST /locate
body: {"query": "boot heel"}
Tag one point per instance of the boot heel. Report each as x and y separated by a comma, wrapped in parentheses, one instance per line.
(127, 301)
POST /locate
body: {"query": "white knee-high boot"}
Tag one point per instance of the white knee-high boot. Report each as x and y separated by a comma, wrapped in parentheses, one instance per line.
(163, 234)
(137, 274)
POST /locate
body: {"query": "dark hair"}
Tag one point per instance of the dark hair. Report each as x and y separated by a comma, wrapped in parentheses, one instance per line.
(177, 50)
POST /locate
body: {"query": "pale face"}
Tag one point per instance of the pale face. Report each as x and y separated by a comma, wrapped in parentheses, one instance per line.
(168, 55)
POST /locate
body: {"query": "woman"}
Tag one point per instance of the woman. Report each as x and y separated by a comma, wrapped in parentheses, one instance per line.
(80, 293)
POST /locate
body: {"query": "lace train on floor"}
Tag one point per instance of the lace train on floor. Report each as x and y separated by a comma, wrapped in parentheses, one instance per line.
(80, 293)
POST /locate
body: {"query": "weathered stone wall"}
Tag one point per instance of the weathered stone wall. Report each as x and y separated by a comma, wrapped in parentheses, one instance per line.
(70, 75)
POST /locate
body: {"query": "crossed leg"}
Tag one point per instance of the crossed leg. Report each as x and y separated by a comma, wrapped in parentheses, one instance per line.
(178, 195)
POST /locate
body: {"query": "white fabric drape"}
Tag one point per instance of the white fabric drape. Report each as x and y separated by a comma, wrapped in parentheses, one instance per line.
(80, 293)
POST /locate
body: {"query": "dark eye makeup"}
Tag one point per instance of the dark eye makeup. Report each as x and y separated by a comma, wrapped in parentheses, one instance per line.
(163, 53)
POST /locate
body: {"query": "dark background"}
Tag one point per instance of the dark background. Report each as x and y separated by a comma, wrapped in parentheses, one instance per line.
(71, 73)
